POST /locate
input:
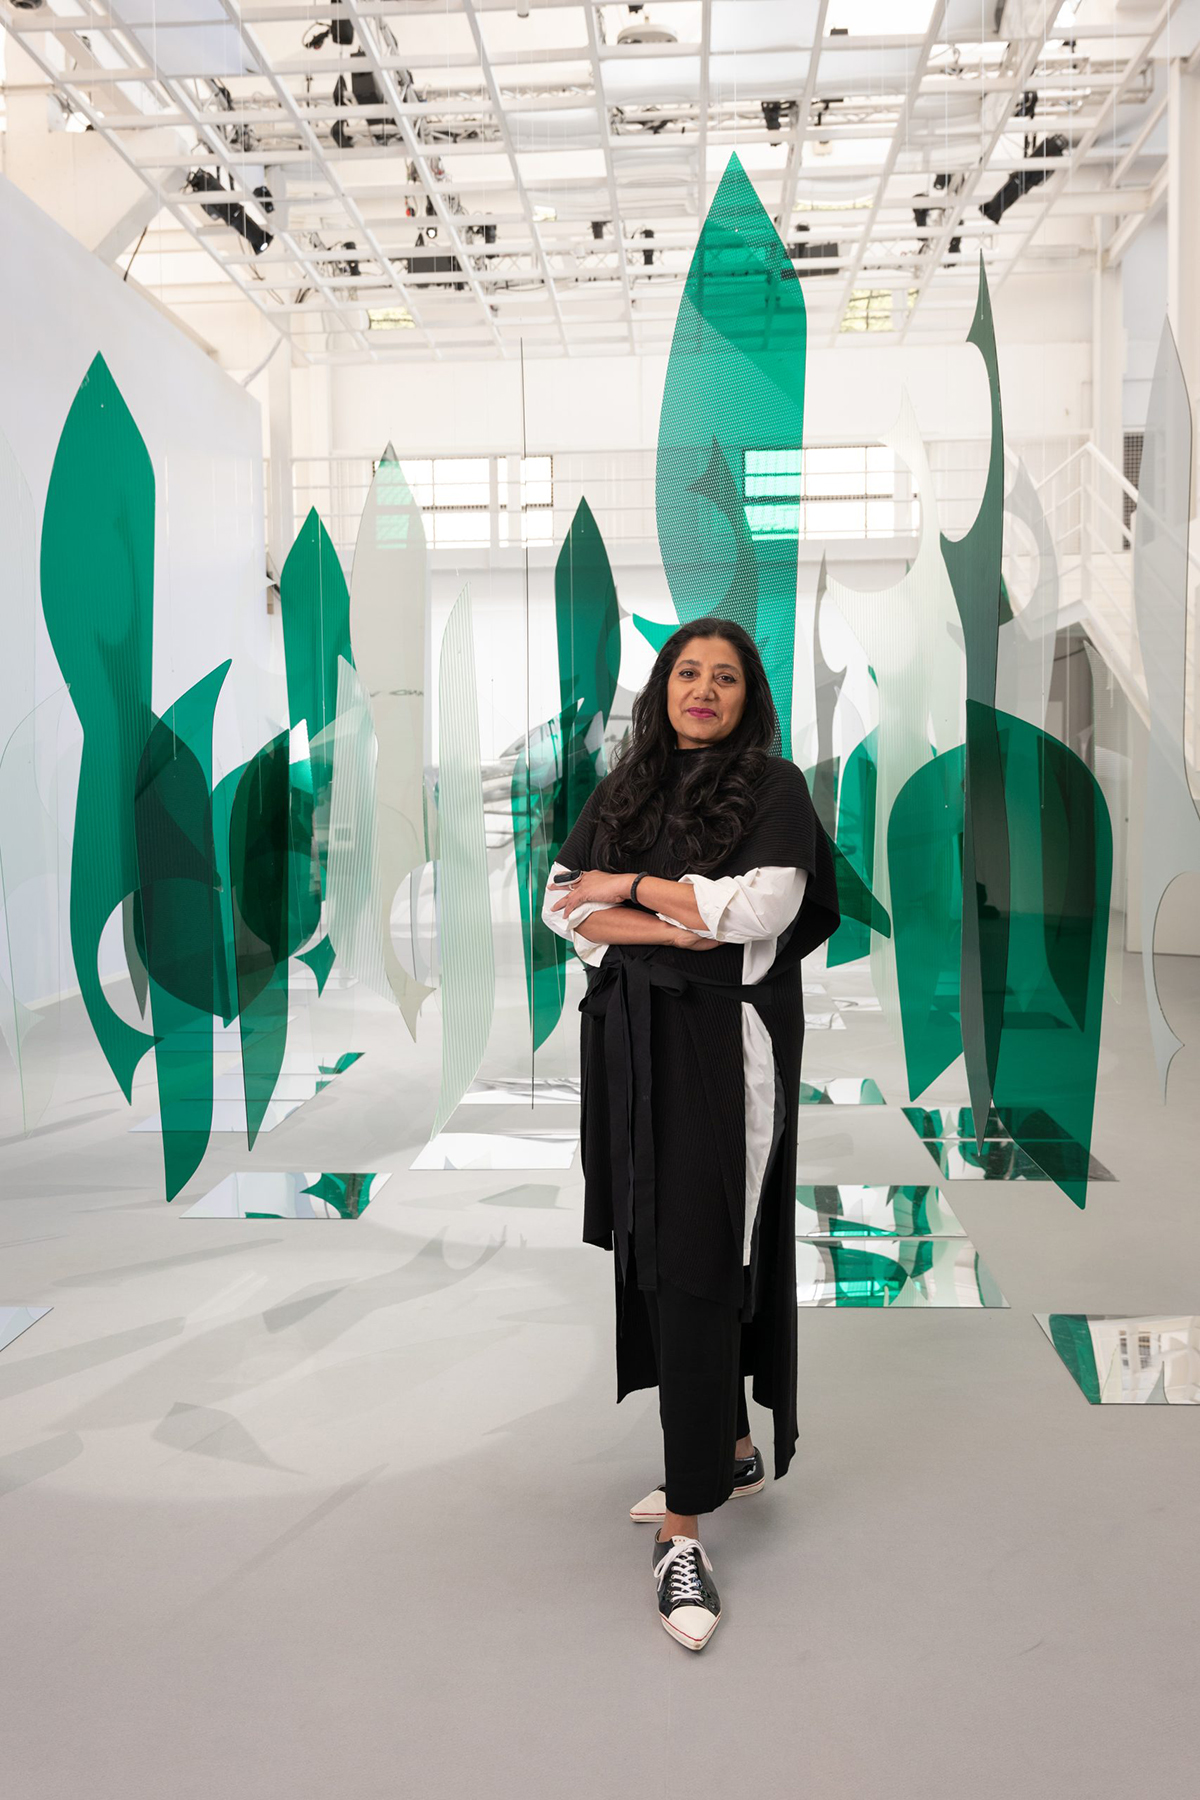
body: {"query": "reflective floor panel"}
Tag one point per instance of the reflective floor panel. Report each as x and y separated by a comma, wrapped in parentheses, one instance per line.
(273, 1194)
(1002, 1160)
(844, 1212)
(949, 1119)
(1129, 1361)
(893, 1272)
(824, 1021)
(491, 1150)
(16, 1319)
(522, 1090)
(842, 1090)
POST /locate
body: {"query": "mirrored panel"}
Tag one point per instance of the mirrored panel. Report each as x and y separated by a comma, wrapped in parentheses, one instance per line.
(1129, 1361)
(544, 1090)
(842, 1090)
(272, 1194)
(948, 1119)
(916, 1272)
(1001, 1160)
(16, 1319)
(491, 1150)
(843, 1212)
(824, 1021)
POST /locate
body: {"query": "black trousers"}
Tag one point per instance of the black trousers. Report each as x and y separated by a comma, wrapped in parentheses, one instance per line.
(701, 1395)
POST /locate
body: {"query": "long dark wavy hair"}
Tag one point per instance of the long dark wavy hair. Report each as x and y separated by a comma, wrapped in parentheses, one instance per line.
(717, 795)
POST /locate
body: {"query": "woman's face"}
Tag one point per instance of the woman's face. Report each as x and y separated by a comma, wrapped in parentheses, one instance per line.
(706, 692)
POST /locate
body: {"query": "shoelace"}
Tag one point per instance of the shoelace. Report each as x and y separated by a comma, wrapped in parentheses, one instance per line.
(682, 1563)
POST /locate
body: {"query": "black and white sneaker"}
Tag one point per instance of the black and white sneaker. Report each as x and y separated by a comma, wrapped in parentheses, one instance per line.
(688, 1603)
(749, 1477)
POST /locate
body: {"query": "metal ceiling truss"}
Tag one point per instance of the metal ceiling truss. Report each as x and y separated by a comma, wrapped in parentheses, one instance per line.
(548, 260)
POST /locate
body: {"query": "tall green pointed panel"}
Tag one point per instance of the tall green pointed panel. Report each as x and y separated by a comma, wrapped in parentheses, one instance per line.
(97, 571)
(735, 382)
(973, 563)
(315, 604)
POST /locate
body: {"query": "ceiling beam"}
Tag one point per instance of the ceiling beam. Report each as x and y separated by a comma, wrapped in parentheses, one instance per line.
(791, 175)
(894, 148)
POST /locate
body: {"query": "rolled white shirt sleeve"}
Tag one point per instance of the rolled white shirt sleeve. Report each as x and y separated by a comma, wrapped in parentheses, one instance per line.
(563, 924)
(746, 909)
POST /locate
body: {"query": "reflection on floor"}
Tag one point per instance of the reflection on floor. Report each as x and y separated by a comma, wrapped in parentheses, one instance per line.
(499, 1150)
(517, 1090)
(16, 1319)
(893, 1272)
(1002, 1160)
(844, 1212)
(1118, 1361)
(252, 1479)
(842, 1090)
(264, 1194)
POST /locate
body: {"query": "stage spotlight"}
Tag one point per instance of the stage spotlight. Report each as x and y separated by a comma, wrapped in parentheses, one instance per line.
(1022, 180)
(228, 212)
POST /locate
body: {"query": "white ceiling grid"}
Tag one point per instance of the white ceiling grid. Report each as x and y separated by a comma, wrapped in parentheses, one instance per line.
(405, 179)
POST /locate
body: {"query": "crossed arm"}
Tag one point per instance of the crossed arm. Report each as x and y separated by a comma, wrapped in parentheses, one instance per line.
(617, 924)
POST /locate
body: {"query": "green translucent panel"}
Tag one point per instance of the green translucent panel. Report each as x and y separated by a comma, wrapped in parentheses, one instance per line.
(97, 573)
(735, 381)
(388, 607)
(1060, 846)
(1116, 1360)
(908, 633)
(973, 564)
(348, 1195)
(354, 904)
(468, 969)
(38, 774)
(856, 841)
(1171, 827)
(925, 870)
(260, 845)
(588, 621)
(315, 604)
(536, 784)
(178, 919)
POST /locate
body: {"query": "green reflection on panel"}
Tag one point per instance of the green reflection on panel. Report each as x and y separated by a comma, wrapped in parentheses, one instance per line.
(178, 919)
(536, 784)
(1061, 875)
(388, 586)
(468, 987)
(97, 572)
(735, 380)
(315, 604)
(925, 871)
(856, 841)
(973, 563)
(348, 1195)
(259, 855)
(1072, 1339)
(588, 621)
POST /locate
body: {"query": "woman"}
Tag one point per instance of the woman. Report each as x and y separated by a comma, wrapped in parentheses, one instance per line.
(694, 880)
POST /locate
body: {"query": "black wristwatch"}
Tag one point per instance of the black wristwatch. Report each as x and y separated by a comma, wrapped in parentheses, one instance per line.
(633, 891)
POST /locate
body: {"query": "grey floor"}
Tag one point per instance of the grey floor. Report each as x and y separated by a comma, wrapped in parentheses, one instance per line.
(340, 1509)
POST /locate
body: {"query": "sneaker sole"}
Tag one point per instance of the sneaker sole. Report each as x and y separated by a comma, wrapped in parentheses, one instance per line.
(687, 1642)
(656, 1518)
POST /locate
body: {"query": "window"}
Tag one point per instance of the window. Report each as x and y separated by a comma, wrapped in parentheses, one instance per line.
(868, 309)
(830, 491)
(537, 499)
(454, 494)
(390, 318)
